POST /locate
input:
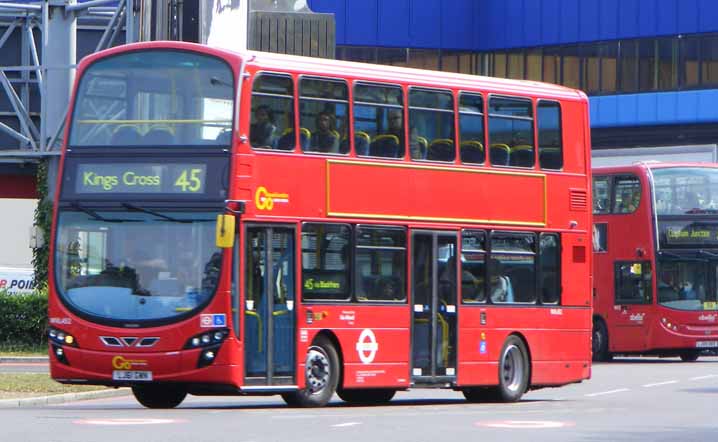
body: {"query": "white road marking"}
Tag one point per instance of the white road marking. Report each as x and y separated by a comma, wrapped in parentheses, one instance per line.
(620, 390)
(346, 424)
(700, 378)
(529, 425)
(658, 384)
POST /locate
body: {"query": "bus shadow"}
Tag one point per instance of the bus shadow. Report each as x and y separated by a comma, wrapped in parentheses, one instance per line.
(648, 361)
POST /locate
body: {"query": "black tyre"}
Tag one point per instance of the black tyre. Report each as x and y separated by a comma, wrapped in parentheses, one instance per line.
(367, 395)
(599, 342)
(321, 371)
(514, 371)
(159, 396)
(689, 356)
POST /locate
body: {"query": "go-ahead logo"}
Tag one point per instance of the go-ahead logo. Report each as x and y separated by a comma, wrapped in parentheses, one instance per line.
(120, 363)
(264, 199)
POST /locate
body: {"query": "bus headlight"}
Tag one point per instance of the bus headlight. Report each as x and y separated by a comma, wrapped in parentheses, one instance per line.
(61, 338)
(207, 339)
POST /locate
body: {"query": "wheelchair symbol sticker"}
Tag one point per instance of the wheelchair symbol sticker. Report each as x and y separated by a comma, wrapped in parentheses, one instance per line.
(367, 346)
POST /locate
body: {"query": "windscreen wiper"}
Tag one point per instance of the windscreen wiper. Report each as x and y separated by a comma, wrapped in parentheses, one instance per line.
(97, 216)
(154, 213)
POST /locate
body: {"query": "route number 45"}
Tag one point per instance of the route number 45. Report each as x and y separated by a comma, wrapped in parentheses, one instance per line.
(189, 180)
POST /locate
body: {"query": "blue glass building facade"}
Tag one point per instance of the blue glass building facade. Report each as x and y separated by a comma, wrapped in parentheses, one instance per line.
(650, 67)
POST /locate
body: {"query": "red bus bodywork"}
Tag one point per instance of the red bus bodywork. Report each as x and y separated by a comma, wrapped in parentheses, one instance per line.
(655, 324)
(419, 197)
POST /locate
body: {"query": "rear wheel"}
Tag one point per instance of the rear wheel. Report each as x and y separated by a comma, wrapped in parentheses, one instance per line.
(599, 343)
(366, 395)
(514, 371)
(321, 370)
(159, 396)
(689, 356)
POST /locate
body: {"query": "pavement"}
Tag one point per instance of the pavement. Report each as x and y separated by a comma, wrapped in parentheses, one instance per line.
(38, 401)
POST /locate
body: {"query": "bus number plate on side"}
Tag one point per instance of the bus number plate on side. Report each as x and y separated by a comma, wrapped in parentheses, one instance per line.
(706, 344)
(127, 375)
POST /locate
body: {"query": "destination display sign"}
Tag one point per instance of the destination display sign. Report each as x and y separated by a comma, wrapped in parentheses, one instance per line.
(688, 233)
(145, 178)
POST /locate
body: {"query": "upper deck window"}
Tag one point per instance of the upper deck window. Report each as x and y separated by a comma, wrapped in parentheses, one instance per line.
(627, 194)
(511, 132)
(431, 125)
(686, 190)
(471, 128)
(273, 113)
(154, 98)
(323, 114)
(379, 121)
(549, 135)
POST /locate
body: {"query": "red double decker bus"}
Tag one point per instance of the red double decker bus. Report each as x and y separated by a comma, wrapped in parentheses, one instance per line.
(249, 223)
(655, 260)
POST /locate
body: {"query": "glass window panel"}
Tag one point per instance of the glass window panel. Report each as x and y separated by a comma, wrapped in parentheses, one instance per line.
(473, 266)
(647, 65)
(378, 128)
(689, 52)
(325, 261)
(516, 65)
(533, 65)
(512, 272)
(323, 118)
(272, 124)
(667, 64)
(628, 52)
(609, 67)
(550, 135)
(471, 129)
(709, 60)
(380, 263)
(550, 261)
(423, 59)
(627, 194)
(633, 282)
(323, 88)
(510, 107)
(601, 195)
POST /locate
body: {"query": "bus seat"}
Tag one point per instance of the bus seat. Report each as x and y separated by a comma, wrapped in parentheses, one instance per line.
(126, 135)
(500, 154)
(522, 156)
(472, 152)
(385, 145)
(287, 140)
(224, 138)
(550, 158)
(160, 136)
(305, 135)
(362, 141)
(441, 149)
(419, 147)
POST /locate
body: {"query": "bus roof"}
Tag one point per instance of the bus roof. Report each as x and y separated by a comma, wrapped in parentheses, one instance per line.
(644, 166)
(373, 72)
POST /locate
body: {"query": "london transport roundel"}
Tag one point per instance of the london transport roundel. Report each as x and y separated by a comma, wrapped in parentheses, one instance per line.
(367, 346)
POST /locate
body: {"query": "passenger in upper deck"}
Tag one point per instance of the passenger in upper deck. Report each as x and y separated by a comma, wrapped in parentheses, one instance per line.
(262, 131)
(325, 138)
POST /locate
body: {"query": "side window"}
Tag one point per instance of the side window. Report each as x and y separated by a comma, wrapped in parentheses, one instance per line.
(633, 282)
(600, 237)
(431, 125)
(511, 132)
(380, 262)
(473, 266)
(512, 271)
(601, 195)
(325, 262)
(379, 121)
(272, 125)
(323, 115)
(550, 268)
(471, 128)
(627, 194)
(548, 120)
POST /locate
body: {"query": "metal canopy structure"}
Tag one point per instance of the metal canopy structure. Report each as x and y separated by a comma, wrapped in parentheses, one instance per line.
(39, 39)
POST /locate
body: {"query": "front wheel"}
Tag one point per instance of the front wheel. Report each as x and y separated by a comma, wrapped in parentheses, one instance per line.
(599, 343)
(159, 396)
(321, 371)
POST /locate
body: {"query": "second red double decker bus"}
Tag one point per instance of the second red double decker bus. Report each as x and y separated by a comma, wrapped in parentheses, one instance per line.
(655, 260)
(248, 223)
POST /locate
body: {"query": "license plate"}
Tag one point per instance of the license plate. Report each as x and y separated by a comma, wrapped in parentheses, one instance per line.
(706, 344)
(127, 375)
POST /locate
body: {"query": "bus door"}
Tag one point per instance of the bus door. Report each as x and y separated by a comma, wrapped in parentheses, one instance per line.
(269, 318)
(434, 301)
(632, 313)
